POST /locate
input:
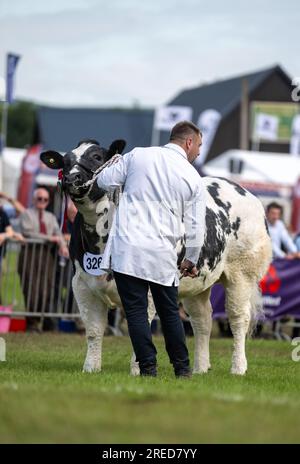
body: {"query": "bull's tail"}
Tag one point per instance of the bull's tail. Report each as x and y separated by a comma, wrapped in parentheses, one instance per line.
(256, 309)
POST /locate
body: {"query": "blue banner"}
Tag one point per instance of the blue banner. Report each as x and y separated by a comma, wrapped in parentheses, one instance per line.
(11, 64)
(280, 289)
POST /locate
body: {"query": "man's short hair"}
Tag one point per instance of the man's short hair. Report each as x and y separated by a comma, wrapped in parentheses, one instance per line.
(184, 129)
(274, 205)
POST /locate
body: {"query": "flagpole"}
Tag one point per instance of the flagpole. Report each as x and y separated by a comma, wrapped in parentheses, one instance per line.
(155, 137)
(3, 139)
(4, 127)
(11, 63)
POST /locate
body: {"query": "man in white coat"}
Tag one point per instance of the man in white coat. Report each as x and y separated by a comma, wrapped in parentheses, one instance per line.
(160, 188)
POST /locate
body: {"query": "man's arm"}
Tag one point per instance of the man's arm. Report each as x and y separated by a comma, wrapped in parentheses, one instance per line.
(115, 175)
(194, 222)
(15, 203)
(287, 240)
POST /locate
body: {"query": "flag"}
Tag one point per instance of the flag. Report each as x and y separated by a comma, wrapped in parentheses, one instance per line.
(208, 123)
(167, 116)
(30, 167)
(295, 138)
(11, 64)
(266, 127)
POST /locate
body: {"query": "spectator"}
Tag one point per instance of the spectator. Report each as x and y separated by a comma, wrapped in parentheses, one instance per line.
(37, 223)
(282, 243)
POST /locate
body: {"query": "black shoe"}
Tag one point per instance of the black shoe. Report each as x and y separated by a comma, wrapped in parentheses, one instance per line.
(148, 371)
(183, 374)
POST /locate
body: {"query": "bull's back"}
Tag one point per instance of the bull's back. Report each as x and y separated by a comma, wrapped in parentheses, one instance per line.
(236, 230)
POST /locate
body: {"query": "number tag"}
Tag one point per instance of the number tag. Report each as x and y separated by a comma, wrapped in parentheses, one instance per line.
(92, 263)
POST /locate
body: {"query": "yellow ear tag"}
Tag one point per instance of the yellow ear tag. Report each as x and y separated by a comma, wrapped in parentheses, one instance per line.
(52, 160)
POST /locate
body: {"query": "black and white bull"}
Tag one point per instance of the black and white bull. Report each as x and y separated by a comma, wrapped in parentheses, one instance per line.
(236, 253)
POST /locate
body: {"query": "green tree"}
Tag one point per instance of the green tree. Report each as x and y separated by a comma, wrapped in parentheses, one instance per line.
(21, 124)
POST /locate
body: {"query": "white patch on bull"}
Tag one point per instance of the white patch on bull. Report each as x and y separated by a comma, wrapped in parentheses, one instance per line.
(79, 151)
(74, 169)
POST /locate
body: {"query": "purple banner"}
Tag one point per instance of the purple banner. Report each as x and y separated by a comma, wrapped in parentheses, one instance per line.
(280, 289)
(11, 64)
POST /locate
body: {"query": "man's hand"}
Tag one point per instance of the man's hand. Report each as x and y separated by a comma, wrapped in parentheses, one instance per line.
(188, 269)
(63, 251)
(55, 239)
(295, 255)
(18, 237)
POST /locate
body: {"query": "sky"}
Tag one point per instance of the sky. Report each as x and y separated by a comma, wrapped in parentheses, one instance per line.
(96, 53)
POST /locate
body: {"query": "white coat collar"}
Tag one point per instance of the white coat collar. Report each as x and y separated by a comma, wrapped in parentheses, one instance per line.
(177, 148)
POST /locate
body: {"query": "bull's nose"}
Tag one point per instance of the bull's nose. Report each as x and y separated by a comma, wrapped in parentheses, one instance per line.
(72, 179)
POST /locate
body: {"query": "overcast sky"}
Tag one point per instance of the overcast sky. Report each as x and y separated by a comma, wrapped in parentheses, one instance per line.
(120, 52)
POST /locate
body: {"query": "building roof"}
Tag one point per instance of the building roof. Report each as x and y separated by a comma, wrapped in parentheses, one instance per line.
(224, 95)
(62, 128)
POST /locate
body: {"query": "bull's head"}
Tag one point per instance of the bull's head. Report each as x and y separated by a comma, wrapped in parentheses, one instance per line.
(78, 166)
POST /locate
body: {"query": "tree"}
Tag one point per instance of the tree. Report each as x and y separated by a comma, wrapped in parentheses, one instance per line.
(21, 124)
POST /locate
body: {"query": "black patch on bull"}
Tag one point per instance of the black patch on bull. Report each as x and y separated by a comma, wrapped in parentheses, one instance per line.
(96, 193)
(235, 226)
(237, 187)
(83, 239)
(93, 141)
(213, 190)
(218, 228)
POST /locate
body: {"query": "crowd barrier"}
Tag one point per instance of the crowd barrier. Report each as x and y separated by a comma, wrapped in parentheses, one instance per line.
(36, 281)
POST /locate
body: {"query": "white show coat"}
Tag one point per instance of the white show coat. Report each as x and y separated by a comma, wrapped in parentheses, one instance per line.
(160, 188)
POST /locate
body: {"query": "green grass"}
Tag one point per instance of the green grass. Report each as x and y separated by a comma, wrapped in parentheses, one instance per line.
(45, 398)
(10, 284)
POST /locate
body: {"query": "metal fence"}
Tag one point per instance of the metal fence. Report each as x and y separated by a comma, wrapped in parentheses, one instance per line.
(36, 281)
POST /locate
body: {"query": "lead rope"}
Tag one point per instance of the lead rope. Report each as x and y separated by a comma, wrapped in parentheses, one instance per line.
(108, 163)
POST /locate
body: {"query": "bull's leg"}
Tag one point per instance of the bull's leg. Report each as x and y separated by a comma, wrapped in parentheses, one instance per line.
(94, 316)
(200, 311)
(238, 295)
(134, 365)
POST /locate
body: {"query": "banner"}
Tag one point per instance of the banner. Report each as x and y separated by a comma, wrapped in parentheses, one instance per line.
(295, 138)
(284, 114)
(167, 116)
(266, 127)
(280, 289)
(30, 167)
(208, 123)
(11, 64)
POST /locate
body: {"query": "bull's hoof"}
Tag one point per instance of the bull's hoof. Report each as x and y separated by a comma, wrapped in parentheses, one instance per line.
(201, 370)
(89, 367)
(238, 371)
(135, 370)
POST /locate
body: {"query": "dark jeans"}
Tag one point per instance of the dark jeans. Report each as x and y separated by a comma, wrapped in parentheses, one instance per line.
(134, 296)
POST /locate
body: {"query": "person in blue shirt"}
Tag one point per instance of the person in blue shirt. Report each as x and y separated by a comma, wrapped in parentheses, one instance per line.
(283, 245)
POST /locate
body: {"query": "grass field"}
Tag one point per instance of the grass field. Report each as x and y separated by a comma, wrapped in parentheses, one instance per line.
(45, 398)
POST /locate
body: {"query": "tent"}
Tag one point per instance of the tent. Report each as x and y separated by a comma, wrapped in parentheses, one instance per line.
(10, 169)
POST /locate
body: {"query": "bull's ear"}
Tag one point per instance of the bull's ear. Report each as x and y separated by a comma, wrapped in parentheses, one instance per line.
(116, 147)
(52, 159)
